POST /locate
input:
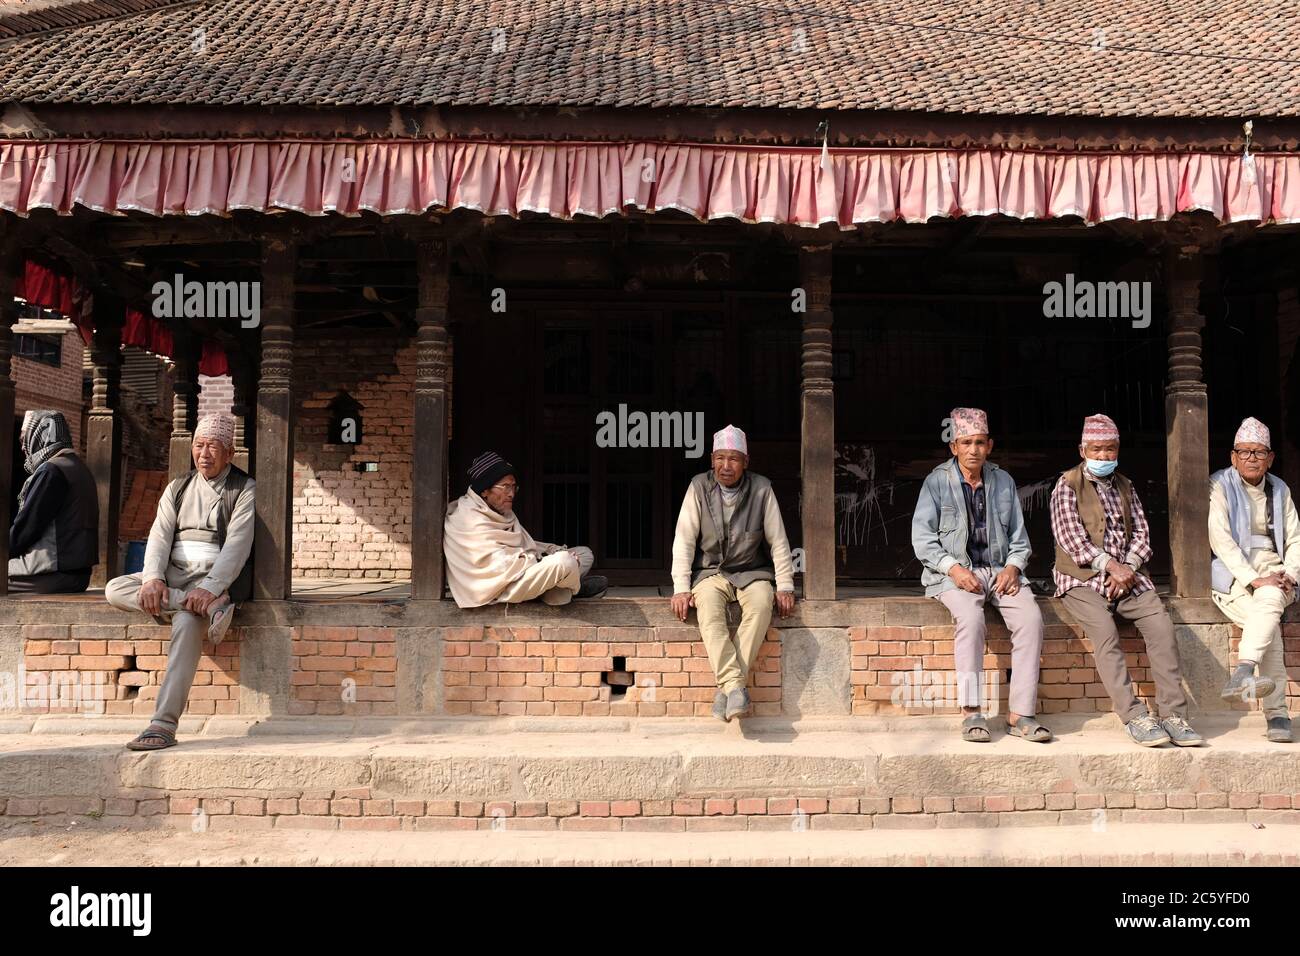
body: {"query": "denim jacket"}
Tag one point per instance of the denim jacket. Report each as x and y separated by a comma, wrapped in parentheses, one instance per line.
(941, 528)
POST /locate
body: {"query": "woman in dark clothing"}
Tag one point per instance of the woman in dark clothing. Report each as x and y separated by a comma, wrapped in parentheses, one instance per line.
(54, 539)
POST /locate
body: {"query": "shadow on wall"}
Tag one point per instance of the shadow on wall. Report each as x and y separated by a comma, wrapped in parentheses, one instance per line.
(352, 498)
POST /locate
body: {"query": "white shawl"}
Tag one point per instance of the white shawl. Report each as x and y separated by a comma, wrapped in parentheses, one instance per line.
(486, 551)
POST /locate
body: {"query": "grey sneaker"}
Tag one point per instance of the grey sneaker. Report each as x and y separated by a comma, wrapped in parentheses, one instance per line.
(738, 703)
(1181, 732)
(1244, 685)
(1279, 730)
(720, 705)
(1146, 730)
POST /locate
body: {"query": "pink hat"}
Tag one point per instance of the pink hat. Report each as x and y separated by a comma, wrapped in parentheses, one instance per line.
(1099, 427)
(218, 426)
(969, 421)
(1253, 432)
(731, 438)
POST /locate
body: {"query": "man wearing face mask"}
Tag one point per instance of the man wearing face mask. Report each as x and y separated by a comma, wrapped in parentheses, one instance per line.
(1255, 537)
(1102, 543)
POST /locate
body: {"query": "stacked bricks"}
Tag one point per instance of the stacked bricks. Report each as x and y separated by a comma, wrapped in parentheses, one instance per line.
(140, 504)
(360, 808)
(118, 669)
(884, 672)
(350, 524)
(348, 671)
(518, 671)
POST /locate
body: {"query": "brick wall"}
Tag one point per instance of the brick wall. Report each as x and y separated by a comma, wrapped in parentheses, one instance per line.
(38, 385)
(216, 393)
(125, 662)
(350, 524)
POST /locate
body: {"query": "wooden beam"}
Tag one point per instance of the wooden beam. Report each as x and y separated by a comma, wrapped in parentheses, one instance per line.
(817, 442)
(104, 431)
(429, 445)
(273, 543)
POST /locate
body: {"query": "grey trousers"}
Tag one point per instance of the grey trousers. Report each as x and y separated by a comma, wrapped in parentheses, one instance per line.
(1024, 620)
(188, 633)
(1094, 613)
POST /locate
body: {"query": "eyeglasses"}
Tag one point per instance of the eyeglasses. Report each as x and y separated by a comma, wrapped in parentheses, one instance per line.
(506, 489)
(1252, 454)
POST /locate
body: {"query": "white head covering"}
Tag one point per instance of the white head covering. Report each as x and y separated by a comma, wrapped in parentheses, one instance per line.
(219, 426)
(731, 438)
(1253, 432)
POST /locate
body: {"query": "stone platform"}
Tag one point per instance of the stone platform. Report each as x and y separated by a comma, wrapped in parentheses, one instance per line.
(659, 775)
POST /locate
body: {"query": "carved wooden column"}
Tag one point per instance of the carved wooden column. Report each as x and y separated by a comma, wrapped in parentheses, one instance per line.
(10, 265)
(104, 431)
(1286, 435)
(817, 452)
(429, 445)
(1186, 423)
(273, 543)
(185, 401)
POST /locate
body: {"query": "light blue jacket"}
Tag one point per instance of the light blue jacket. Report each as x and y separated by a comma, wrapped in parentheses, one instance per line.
(941, 527)
(1239, 521)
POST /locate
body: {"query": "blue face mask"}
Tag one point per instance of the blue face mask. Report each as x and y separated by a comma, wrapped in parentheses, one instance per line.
(1102, 469)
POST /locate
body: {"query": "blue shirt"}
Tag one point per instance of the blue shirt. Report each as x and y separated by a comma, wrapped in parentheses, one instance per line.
(977, 549)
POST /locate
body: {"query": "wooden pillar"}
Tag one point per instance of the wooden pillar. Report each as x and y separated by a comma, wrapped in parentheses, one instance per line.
(273, 542)
(1286, 434)
(1186, 424)
(817, 451)
(10, 265)
(242, 382)
(185, 401)
(104, 431)
(429, 446)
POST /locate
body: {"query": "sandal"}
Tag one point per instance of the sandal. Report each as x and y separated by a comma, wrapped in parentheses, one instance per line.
(1030, 729)
(976, 729)
(154, 737)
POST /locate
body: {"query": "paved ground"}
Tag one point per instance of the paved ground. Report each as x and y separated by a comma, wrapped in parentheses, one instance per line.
(1119, 845)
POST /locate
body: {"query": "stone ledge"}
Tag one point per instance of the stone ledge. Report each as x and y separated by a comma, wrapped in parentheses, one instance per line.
(893, 611)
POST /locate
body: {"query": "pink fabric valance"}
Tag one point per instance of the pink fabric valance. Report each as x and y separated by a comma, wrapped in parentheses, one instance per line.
(754, 184)
(51, 289)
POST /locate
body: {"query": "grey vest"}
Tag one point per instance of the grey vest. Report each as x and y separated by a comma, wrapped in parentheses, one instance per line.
(740, 554)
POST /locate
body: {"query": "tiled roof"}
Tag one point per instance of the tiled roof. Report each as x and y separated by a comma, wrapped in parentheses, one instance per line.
(1061, 57)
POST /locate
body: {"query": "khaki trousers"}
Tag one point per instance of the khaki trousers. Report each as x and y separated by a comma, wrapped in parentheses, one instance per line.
(732, 659)
(1259, 615)
(188, 633)
(555, 578)
(1094, 613)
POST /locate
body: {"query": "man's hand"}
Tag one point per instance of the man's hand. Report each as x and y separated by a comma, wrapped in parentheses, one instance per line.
(152, 594)
(965, 579)
(683, 602)
(198, 601)
(1121, 574)
(1275, 580)
(784, 603)
(1114, 590)
(1007, 581)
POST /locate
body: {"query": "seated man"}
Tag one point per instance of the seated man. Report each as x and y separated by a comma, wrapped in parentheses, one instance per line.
(1255, 537)
(1102, 542)
(54, 539)
(969, 534)
(197, 567)
(730, 545)
(491, 559)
